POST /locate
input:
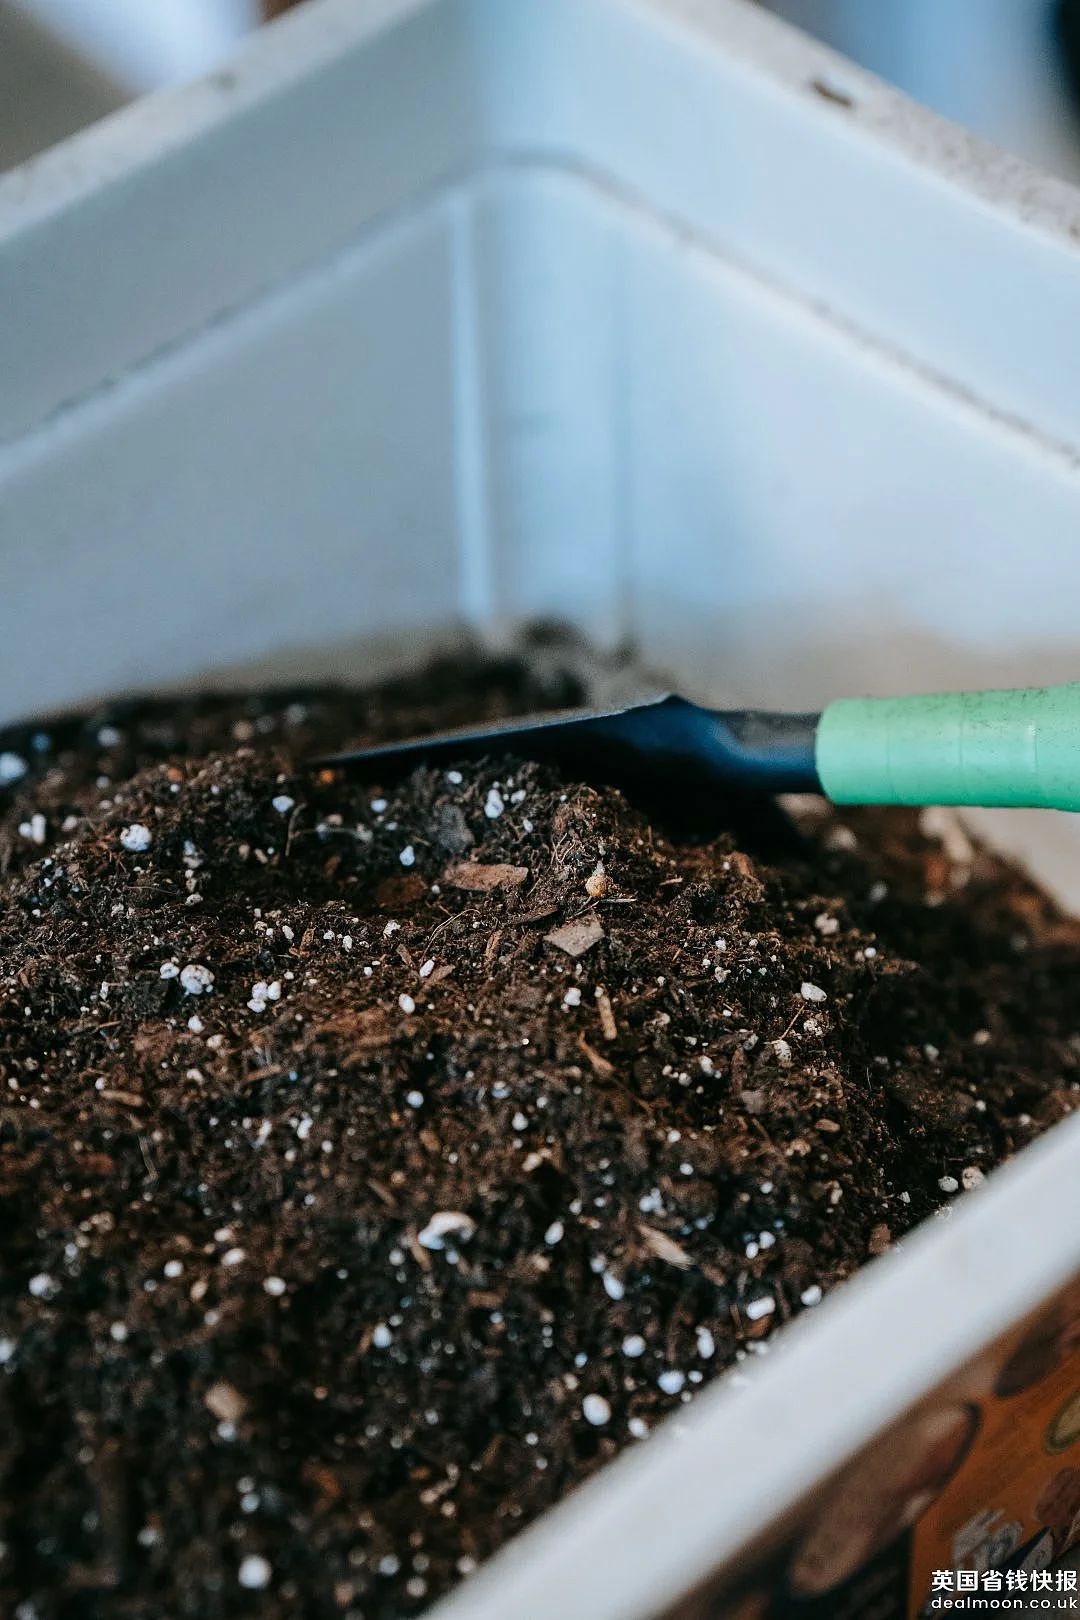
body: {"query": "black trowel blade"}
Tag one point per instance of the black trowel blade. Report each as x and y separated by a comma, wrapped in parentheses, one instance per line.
(622, 729)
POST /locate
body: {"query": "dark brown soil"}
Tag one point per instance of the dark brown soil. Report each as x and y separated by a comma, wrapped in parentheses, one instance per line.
(506, 1123)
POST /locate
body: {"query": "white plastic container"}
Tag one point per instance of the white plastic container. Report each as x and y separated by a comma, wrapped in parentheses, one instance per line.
(649, 315)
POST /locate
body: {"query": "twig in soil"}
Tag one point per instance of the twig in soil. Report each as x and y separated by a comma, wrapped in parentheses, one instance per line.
(257, 1076)
(291, 832)
(607, 1016)
(784, 1033)
(454, 916)
(598, 1064)
(759, 1127)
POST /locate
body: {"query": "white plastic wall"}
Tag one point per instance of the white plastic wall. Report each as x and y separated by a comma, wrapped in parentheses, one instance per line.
(441, 312)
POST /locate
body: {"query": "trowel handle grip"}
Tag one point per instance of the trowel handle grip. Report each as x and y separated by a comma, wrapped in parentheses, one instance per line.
(975, 748)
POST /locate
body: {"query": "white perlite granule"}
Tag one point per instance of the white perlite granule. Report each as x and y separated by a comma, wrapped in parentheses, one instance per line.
(596, 1411)
(443, 1224)
(254, 1573)
(12, 768)
(137, 838)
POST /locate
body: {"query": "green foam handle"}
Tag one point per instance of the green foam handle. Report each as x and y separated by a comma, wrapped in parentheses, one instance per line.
(975, 748)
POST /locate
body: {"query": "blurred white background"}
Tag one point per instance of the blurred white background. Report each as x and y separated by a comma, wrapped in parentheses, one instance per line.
(997, 66)
(1000, 67)
(143, 43)
(65, 63)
